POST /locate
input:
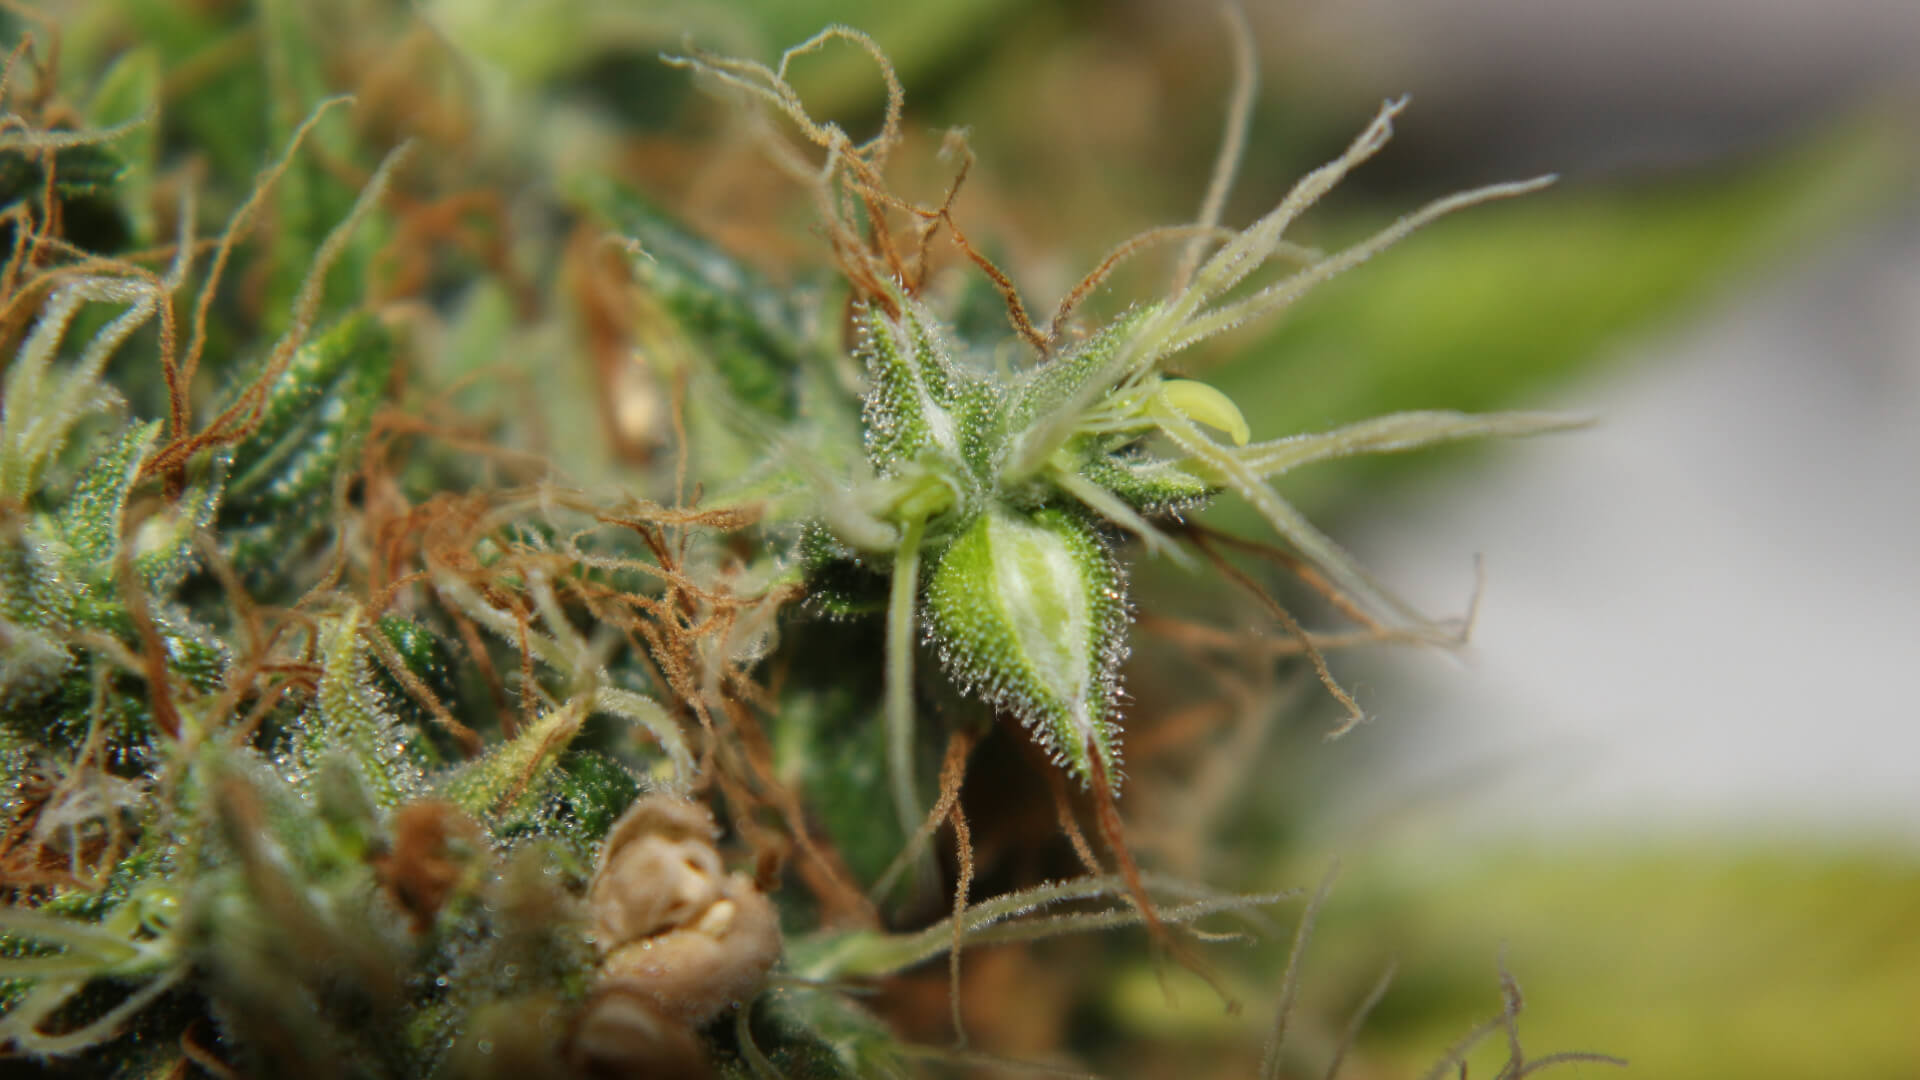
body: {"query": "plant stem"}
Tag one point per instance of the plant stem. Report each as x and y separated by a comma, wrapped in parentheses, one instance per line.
(900, 622)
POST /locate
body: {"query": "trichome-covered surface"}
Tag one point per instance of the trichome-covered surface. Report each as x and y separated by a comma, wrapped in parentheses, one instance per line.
(457, 618)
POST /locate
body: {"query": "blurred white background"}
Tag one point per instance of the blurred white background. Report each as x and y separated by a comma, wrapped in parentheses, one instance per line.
(1704, 612)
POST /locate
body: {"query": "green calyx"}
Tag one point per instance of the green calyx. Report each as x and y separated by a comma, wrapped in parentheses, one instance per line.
(1027, 611)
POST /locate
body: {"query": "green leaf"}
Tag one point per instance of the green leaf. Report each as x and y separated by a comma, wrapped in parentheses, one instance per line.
(509, 783)
(77, 170)
(427, 659)
(163, 545)
(591, 791)
(312, 422)
(351, 717)
(752, 354)
(1149, 485)
(1053, 399)
(90, 522)
(921, 405)
(744, 327)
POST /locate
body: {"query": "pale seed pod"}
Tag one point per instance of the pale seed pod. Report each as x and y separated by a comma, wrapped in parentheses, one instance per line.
(681, 940)
(658, 870)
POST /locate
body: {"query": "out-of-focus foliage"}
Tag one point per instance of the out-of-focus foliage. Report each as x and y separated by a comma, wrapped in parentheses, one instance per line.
(1692, 959)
